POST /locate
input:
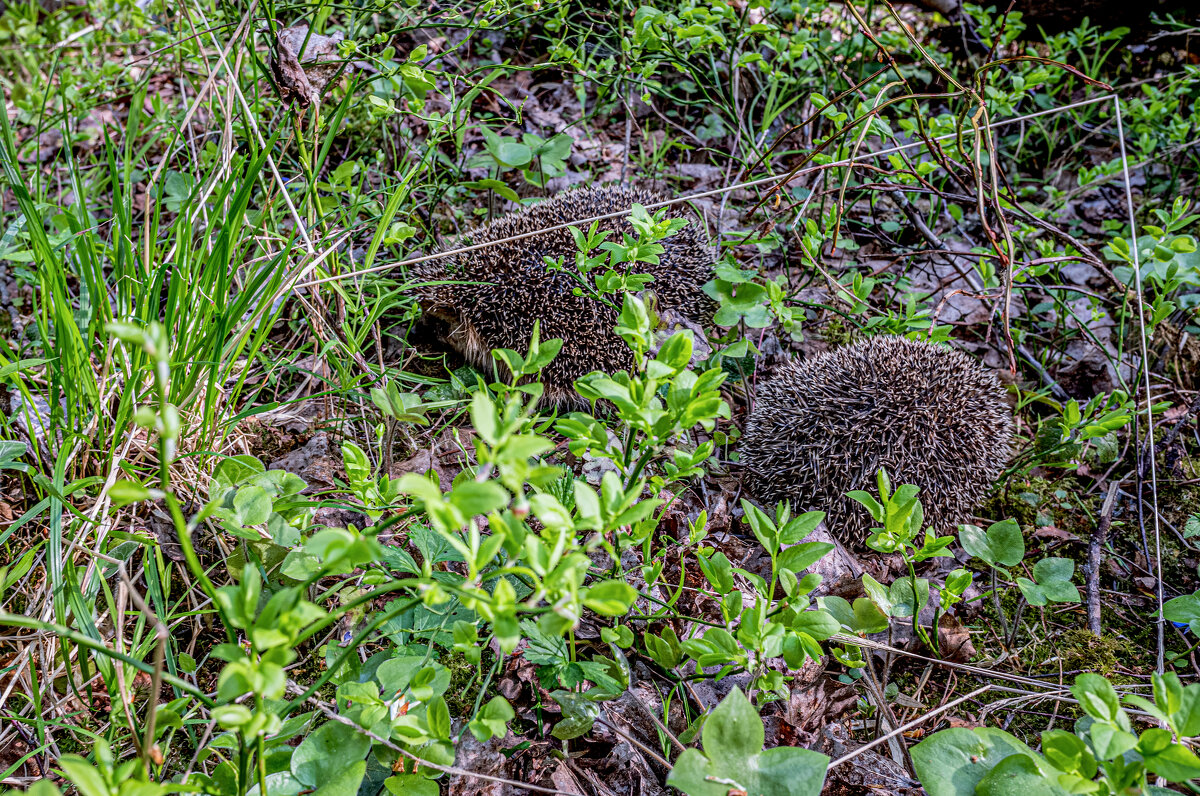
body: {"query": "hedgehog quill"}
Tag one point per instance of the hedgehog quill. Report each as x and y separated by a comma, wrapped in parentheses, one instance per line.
(929, 414)
(491, 297)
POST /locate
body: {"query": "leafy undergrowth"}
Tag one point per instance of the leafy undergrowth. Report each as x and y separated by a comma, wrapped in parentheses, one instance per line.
(263, 532)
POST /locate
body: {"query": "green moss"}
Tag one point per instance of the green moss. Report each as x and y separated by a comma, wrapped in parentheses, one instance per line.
(1036, 502)
(1080, 650)
(465, 681)
(836, 333)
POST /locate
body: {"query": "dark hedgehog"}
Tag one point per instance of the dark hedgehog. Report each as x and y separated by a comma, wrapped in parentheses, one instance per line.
(929, 414)
(501, 290)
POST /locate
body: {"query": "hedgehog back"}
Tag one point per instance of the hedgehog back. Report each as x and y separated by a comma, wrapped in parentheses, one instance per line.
(929, 414)
(503, 289)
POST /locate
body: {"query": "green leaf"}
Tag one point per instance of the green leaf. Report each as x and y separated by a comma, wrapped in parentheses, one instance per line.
(620, 635)
(281, 783)
(492, 720)
(485, 418)
(11, 450)
(861, 617)
(904, 602)
(818, 624)
(438, 716)
(718, 571)
(43, 787)
(610, 598)
(84, 775)
(122, 493)
(1168, 759)
(664, 650)
(1187, 717)
(869, 502)
(1184, 609)
(1109, 741)
(1098, 698)
(345, 781)
(1053, 583)
(494, 185)
(676, 352)
(411, 785)
(733, 732)
(331, 750)
(733, 758)
(579, 714)
(1067, 752)
(879, 594)
(800, 557)
(1001, 544)
(799, 527)
(252, 505)
(478, 497)
(952, 762)
(1018, 775)
(544, 649)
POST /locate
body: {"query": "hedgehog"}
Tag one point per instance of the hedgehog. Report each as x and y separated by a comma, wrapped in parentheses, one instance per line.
(928, 414)
(490, 297)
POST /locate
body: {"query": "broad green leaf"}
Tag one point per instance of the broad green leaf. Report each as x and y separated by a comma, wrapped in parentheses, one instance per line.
(1184, 609)
(904, 602)
(861, 617)
(799, 527)
(478, 497)
(733, 758)
(345, 780)
(817, 623)
(492, 720)
(84, 775)
(579, 714)
(1001, 544)
(122, 493)
(1109, 741)
(1099, 699)
(411, 785)
(252, 505)
(800, 557)
(333, 749)
(952, 762)
(281, 783)
(1168, 759)
(1018, 775)
(1052, 583)
(610, 598)
(1067, 752)
(438, 716)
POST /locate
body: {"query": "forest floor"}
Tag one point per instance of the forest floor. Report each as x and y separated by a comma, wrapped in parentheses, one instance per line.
(216, 386)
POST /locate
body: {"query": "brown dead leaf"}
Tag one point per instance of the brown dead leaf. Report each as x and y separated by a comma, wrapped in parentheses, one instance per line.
(1054, 532)
(470, 755)
(565, 780)
(866, 772)
(954, 640)
(315, 463)
(303, 76)
(162, 527)
(1147, 585)
(958, 721)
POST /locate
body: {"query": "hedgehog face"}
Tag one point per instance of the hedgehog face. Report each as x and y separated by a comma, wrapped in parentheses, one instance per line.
(503, 289)
(928, 414)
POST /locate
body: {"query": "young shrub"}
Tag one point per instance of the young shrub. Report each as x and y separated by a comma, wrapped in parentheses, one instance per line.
(930, 415)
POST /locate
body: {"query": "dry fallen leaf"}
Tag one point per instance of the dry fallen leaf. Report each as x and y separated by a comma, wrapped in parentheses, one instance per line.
(303, 77)
(954, 639)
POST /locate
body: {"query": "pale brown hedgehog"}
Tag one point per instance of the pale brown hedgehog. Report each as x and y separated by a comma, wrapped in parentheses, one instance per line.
(929, 414)
(501, 290)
